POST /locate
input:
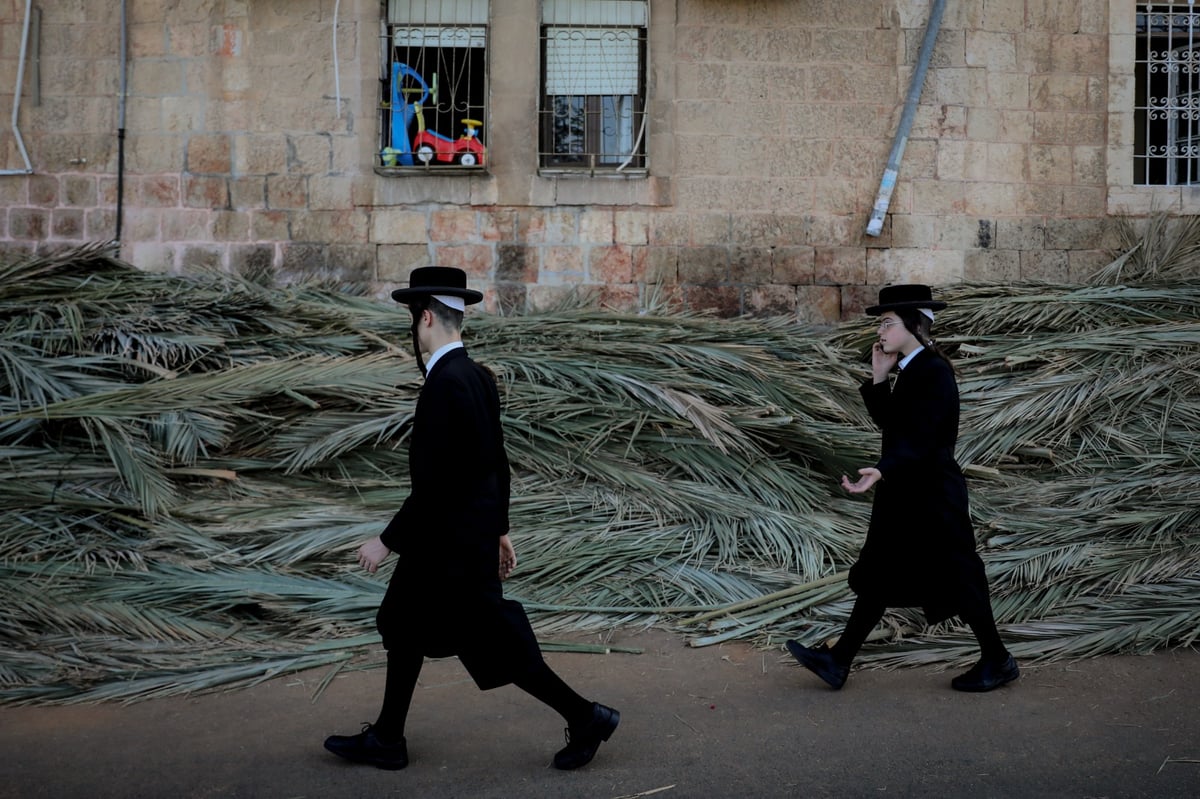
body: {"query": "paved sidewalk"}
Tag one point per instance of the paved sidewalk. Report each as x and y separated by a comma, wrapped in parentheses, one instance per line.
(724, 721)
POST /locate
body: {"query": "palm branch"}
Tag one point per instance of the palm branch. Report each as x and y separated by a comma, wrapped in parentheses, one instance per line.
(190, 462)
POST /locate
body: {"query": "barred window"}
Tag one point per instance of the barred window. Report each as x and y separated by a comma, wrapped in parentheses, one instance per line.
(592, 112)
(1167, 104)
(434, 85)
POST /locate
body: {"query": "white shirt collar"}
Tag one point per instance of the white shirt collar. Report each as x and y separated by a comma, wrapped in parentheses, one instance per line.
(453, 345)
(904, 361)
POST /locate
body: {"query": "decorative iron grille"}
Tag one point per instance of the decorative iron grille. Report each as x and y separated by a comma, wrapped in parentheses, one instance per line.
(592, 112)
(1167, 100)
(434, 84)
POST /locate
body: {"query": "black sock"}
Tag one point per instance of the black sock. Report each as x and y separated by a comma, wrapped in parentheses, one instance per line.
(983, 625)
(403, 668)
(863, 618)
(543, 684)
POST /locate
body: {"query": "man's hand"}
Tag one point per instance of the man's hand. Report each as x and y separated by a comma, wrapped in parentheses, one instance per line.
(508, 557)
(869, 477)
(372, 553)
(882, 363)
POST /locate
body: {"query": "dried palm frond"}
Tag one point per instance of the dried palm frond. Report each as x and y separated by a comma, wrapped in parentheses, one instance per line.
(190, 463)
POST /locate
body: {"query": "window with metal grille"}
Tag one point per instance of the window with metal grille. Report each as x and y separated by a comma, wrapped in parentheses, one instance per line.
(1167, 104)
(592, 114)
(434, 84)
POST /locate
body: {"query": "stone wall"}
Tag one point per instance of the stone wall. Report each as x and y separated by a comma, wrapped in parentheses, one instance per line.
(249, 148)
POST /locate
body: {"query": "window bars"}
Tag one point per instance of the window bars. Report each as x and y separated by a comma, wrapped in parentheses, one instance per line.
(434, 84)
(1167, 96)
(592, 110)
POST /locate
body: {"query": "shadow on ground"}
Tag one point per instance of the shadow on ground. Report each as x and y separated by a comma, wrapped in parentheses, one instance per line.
(727, 721)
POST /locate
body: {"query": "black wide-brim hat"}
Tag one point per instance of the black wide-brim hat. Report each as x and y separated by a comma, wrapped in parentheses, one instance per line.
(908, 295)
(426, 281)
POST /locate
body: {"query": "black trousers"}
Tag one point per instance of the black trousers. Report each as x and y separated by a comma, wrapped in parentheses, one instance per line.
(868, 611)
(538, 680)
(491, 636)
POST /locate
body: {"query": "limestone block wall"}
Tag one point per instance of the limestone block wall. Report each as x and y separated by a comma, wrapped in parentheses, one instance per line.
(249, 146)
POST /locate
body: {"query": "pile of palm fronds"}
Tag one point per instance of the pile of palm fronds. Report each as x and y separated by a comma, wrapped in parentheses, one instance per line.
(191, 462)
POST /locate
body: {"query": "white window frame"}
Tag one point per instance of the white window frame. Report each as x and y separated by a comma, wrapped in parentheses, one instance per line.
(1167, 104)
(592, 111)
(433, 112)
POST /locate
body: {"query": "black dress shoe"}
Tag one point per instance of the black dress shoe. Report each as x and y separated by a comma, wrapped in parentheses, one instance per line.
(820, 662)
(367, 747)
(986, 675)
(585, 739)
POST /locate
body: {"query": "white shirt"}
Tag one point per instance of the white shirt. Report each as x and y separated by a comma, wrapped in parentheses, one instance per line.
(904, 361)
(453, 345)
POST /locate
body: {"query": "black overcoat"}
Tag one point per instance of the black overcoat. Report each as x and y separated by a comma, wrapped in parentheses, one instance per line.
(920, 546)
(445, 596)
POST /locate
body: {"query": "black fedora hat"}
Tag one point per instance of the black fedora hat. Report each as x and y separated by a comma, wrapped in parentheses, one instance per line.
(426, 281)
(908, 295)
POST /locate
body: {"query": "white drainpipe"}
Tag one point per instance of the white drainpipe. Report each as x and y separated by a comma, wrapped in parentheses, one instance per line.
(28, 170)
(884, 199)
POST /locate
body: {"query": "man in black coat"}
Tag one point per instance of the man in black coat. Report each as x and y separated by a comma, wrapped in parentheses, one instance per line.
(451, 537)
(920, 546)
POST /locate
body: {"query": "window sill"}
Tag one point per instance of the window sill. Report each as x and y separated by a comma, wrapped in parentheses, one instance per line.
(573, 173)
(1142, 200)
(581, 187)
(430, 172)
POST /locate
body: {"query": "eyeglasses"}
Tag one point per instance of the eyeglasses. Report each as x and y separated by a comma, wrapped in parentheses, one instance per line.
(888, 323)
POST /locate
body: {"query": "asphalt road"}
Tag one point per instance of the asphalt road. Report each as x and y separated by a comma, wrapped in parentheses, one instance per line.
(725, 721)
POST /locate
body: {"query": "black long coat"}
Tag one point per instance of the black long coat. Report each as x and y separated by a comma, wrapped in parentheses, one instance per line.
(920, 546)
(445, 596)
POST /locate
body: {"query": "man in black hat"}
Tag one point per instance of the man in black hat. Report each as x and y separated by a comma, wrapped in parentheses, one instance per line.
(920, 546)
(451, 536)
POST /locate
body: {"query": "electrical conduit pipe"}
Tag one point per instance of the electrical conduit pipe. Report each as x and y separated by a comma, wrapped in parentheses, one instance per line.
(888, 183)
(17, 90)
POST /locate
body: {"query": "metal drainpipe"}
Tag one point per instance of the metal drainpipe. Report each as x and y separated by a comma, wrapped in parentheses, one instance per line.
(121, 130)
(17, 91)
(884, 198)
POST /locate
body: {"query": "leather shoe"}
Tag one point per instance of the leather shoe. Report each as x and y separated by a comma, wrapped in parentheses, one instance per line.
(820, 662)
(986, 675)
(585, 739)
(367, 747)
